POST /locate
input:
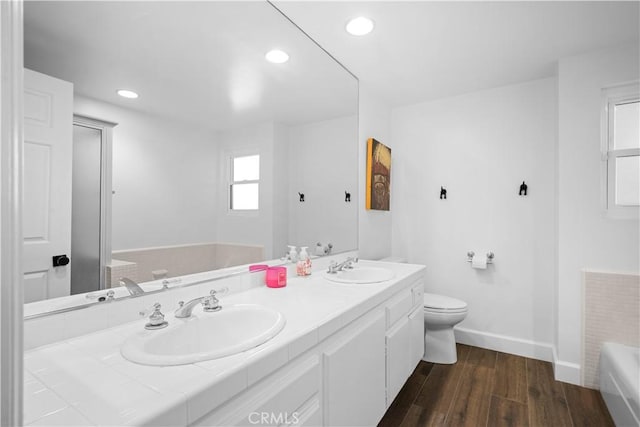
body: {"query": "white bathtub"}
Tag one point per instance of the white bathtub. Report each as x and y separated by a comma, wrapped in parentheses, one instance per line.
(620, 382)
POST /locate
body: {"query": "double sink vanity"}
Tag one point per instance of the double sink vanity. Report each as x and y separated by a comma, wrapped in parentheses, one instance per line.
(327, 349)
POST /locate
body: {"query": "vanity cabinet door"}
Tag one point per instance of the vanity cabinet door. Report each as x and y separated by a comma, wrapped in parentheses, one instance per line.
(416, 325)
(354, 375)
(399, 360)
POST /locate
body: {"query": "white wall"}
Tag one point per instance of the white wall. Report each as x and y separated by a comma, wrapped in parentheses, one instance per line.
(374, 227)
(586, 239)
(170, 182)
(322, 167)
(253, 228)
(282, 193)
(164, 178)
(481, 146)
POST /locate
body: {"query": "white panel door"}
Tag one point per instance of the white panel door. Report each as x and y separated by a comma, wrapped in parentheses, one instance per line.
(48, 138)
(398, 357)
(354, 375)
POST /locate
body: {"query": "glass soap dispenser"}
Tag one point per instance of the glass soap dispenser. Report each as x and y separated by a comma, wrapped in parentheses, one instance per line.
(303, 267)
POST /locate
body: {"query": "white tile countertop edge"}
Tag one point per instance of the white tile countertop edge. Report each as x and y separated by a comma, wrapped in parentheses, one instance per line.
(85, 381)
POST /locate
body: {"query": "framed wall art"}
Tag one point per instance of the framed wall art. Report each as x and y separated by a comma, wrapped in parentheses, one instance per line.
(378, 175)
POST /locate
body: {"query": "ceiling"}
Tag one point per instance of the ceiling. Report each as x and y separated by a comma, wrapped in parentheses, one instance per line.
(203, 61)
(422, 50)
(195, 62)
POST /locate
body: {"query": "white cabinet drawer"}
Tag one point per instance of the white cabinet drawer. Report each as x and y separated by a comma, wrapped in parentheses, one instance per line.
(399, 307)
(418, 294)
(273, 401)
(309, 415)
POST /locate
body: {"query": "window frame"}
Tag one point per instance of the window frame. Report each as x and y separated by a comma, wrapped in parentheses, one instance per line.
(612, 96)
(230, 181)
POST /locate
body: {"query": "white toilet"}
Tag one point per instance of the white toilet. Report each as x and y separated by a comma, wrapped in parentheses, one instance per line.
(441, 314)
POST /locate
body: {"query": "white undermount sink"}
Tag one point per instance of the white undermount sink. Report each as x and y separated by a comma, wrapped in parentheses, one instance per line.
(234, 329)
(361, 275)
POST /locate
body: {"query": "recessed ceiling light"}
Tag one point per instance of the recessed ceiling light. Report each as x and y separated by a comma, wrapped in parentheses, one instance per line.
(277, 56)
(359, 26)
(127, 93)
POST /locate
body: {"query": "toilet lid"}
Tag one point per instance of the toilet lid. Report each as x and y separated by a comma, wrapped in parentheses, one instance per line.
(441, 302)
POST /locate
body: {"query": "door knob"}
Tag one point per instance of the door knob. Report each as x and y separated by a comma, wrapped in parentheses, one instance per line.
(60, 260)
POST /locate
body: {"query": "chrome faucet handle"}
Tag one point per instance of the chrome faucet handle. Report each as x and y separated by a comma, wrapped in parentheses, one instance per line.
(333, 267)
(220, 291)
(156, 318)
(211, 303)
(350, 263)
(167, 282)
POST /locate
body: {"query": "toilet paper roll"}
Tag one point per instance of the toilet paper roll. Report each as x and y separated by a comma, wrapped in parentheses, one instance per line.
(479, 261)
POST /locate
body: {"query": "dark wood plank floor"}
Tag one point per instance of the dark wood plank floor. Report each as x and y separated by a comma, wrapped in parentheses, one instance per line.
(488, 388)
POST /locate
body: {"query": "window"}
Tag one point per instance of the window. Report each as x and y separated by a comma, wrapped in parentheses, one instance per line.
(621, 150)
(244, 187)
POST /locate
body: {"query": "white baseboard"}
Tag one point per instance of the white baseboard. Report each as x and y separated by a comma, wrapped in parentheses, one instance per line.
(505, 344)
(565, 371)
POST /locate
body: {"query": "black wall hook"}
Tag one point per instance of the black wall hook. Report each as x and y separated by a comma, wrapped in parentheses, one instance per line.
(523, 189)
(443, 193)
(301, 196)
(347, 196)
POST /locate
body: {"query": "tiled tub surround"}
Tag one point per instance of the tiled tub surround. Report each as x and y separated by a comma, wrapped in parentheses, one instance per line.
(611, 313)
(117, 269)
(180, 260)
(85, 381)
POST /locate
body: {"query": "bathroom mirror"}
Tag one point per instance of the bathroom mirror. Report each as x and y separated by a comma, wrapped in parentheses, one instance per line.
(175, 175)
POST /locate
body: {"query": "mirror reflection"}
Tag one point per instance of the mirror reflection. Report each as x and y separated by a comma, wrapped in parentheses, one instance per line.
(201, 164)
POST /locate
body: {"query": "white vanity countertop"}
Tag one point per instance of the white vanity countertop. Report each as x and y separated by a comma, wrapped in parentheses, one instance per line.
(85, 380)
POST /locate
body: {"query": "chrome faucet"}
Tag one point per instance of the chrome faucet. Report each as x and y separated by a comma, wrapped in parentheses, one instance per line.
(334, 267)
(209, 303)
(156, 318)
(132, 287)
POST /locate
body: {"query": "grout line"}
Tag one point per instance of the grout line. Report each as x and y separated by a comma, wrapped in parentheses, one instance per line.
(526, 381)
(406, 414)
(564, 393)
(495, 372)
(455, 392)
(493, 387)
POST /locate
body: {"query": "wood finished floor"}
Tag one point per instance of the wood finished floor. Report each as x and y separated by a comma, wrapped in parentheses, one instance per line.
(493, 389)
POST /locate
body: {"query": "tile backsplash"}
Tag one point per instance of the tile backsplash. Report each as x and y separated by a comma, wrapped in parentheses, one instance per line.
(180, 260)
(611, 312)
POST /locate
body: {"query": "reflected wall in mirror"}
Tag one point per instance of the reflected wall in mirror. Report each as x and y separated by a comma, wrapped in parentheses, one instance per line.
(162, 163)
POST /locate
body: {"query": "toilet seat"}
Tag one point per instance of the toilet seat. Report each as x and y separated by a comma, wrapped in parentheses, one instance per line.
(443, 311)
(441, 303)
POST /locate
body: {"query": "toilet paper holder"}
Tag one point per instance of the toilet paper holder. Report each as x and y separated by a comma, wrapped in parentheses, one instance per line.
(471, 254)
